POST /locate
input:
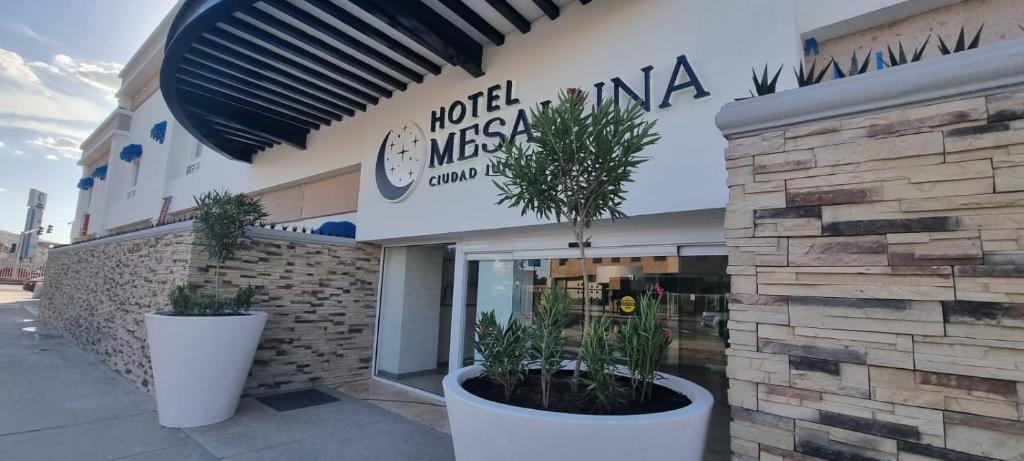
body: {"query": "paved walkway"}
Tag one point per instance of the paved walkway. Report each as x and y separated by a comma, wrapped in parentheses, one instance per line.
(58, 402)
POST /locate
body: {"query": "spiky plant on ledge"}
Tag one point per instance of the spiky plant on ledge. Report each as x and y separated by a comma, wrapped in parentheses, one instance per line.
(854, 68)
(960, 42)
(896, 60)
(810, 78)
(764, 86)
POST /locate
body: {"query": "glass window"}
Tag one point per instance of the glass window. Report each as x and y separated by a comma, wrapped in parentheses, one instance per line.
(136, 164)
(695, 301)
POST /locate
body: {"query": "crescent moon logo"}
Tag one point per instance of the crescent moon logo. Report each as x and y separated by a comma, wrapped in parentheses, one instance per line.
(401, 153)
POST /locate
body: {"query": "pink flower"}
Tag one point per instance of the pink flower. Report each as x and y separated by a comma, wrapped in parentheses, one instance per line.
(658, 289)
(571, 91)
(666, 333)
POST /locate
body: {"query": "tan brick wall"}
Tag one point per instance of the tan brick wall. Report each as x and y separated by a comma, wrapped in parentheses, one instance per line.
(880, 261)
(321, 299)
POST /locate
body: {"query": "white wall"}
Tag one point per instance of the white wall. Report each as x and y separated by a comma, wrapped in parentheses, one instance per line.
(149, 191)
(213, 171)
(585, 45)
(163, 169)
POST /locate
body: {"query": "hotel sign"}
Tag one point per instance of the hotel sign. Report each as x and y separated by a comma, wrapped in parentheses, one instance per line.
(470, 128)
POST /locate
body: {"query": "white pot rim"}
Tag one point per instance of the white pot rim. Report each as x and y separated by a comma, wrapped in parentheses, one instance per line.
(164, 315)
(700, 401)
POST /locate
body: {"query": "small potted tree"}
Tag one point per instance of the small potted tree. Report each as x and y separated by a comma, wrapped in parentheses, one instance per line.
(202, 348)
(609, 402)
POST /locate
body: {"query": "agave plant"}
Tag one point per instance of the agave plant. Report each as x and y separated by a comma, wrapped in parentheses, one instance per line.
(764, 86)
(960, 40)
(895, 60)
(855, 69)
(810, 77)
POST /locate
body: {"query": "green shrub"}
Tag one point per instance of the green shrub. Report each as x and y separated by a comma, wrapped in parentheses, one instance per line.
(188, 300)
(553, 316)
(503, 350)
(576, 167)
(598, 353)
(221, 220)
(644, 341)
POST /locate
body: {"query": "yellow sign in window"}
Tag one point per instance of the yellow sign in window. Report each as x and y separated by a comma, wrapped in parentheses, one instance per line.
(627, 304)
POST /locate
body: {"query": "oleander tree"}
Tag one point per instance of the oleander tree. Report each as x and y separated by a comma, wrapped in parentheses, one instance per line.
(575, 169)
(221, 219)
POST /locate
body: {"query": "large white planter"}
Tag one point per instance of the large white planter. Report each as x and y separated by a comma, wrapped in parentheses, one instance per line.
(482, 429)
(200, 365)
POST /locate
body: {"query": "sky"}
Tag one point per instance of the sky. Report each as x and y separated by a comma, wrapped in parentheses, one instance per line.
(59, 61)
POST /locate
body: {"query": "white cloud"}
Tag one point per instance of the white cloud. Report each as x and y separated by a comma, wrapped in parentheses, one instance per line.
(64, 97)
(2, 144)
(14, 67)
(66, 147)
(51, 157)
(24, 29)
(2, 189)
(19, 152)
(102, 75)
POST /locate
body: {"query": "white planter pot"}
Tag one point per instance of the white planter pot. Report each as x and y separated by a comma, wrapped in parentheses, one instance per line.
(482, 429)
(200, 365)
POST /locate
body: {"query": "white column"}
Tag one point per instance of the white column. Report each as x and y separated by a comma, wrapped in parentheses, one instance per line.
(458, 336)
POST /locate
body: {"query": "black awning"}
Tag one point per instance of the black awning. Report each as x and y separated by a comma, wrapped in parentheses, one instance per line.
(244, 75)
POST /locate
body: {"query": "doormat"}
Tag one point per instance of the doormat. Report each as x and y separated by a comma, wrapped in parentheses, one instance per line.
(295, 400)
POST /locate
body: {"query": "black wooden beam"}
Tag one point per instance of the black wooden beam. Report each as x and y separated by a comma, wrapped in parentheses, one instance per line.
(259, 145)
(548, 7)
(333, 52)
(236, 82)
(240, 132)
(312, 22)
(430, 30)
(351, 20)
(255, 107)
(472, 18)
(293, 65)
(228, 137)
(232, 149)
(259, 98)
(261, 67)
(511, 15)
(241, 136)
(225, 67)
(286, 133)
(329, 50)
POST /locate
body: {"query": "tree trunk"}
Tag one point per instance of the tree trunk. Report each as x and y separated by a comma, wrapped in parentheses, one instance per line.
(216, 281)
(586, 305)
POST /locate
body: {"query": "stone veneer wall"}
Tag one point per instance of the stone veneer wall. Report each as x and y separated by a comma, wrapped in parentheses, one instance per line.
(877, 269)
(96, 294)
(321, 297)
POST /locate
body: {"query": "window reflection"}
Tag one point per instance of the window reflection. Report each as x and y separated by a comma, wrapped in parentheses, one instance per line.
(696, 306)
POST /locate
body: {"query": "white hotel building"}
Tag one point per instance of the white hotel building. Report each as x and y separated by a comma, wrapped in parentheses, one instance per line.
(383, 114)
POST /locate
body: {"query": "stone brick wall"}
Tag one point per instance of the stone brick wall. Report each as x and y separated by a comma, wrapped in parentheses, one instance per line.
(877, 271)
(320, 296)
(96, 294)
(321, 301)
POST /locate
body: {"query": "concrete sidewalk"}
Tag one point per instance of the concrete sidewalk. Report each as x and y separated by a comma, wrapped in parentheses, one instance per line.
(58, 402)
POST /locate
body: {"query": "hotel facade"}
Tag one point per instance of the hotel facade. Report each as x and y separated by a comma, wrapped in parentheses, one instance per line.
(375, 121)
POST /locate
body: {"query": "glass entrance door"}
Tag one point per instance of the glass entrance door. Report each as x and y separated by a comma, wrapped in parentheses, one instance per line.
(414, 327)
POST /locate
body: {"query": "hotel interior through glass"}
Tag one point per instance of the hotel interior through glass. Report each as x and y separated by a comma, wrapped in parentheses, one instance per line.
(414, 331)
